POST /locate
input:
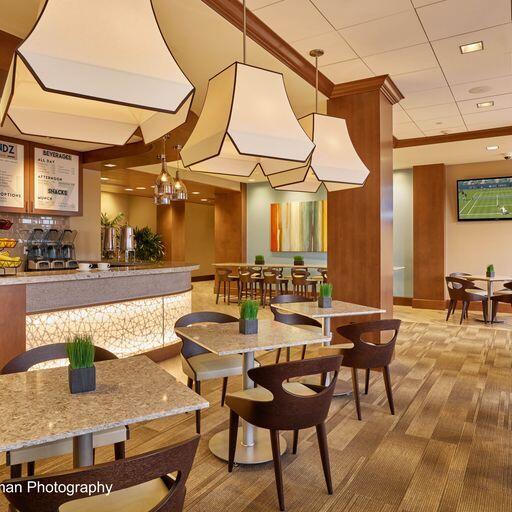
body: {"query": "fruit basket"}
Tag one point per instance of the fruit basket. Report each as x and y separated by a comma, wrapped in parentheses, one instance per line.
(13, 266)
(8, 243)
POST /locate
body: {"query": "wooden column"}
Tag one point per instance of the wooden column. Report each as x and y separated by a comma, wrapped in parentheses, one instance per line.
(360, 221)
(429, 213)
(12, 322)
(170, 221)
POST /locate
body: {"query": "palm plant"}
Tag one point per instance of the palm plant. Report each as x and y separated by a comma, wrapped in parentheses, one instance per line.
(148, 245)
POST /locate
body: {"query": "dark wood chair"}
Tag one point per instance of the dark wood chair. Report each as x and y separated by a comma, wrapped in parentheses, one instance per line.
(465, 291)
(224, 278)
(301, 283)
(452, 306)
(248, 284)
(29, 455)
(273, 284)
(293, 319)
(199, 364)
(367, 355)
(279, 405)
(504, 296)
(140, 483)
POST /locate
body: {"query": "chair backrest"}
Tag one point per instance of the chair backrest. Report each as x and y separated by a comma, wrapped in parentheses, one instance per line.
(245, 275)
(270, 276)
(508, 285)
(222, 274)
(291, 318)
(457, 274)
(121, 474)
(286, 410)
(460, 288)
(45, 353)
(299, 276)
(189, 348)
(365, 354)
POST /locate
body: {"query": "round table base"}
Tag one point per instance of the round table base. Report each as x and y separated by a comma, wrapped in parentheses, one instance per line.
(490, 323)
(257, 454)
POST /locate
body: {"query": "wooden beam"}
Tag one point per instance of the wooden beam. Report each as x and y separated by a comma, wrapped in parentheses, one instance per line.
(453, 137)
(264, 36)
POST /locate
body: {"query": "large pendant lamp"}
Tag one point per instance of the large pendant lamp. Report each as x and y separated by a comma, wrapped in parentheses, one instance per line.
(179, 188)
(164, 185)
(246, 121)
(334, 162)
(96, 71)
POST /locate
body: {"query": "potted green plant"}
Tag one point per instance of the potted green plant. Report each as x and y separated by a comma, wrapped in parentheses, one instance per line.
(490, 271)
(298, 260)
(248, 323)
(325, 296)
(81, 369)
(259, 259)
(149, 246)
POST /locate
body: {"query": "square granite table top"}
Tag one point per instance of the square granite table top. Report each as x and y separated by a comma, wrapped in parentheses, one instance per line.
(339, 309)
(225, 339)
(483, 277)
(36, 406)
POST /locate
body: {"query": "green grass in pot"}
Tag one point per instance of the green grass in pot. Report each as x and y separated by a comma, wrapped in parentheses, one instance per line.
(80, 351)
(326, 290)
(249, 310)
(298, 260)
(259, 259)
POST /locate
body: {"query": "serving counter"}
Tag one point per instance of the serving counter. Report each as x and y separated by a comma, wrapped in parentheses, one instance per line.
(127, 310)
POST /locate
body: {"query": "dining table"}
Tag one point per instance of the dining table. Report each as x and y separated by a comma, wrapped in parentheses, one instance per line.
(225, 339)
(338, 309)
(489, 280)
(38, 407)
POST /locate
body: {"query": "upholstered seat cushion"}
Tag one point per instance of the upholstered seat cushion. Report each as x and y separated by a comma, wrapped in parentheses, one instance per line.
(140, 498)
(65, 446)
(261, 394)
(211, 366)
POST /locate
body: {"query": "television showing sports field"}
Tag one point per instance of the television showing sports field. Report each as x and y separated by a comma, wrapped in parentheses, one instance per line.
(485, 199)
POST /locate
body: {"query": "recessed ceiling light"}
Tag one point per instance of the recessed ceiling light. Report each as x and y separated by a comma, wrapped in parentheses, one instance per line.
(140, 188)
(104, 179)
(480, 89)
(129, 189)
(472, 47)
(196, 193)
(251, 179)
(439, 122)
(109, 165)
(484, 104)
(204, 199)
(492, 148)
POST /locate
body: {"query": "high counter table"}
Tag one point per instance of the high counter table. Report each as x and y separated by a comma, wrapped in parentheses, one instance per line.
(128, 310)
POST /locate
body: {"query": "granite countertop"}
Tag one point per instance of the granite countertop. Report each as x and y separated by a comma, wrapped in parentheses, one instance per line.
(339, 308)
(225, 339)
(75, 275)
(38, 407)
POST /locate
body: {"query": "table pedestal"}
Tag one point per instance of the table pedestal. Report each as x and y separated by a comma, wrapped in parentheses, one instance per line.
(83, 451)
(253, 444)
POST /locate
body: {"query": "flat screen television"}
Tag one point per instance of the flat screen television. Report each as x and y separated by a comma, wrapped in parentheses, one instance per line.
(484, 199)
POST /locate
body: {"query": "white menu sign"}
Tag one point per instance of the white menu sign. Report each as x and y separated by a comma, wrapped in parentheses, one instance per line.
(57, 178)
(12, 175)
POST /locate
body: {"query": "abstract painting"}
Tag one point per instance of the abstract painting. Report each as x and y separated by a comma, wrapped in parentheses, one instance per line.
(298, 226)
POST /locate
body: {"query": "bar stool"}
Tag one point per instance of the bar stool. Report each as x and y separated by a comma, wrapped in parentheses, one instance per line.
(248, 283)
(272, 283)
(225, 278)
(301, 283)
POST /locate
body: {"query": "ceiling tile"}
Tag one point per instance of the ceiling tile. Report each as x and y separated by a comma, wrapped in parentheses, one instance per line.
(452, 17)
(385, 34)
(500, 102)
(427, 98)
(421, 3)
(501, 85)
(407, 131)
(335, 47)
(493, 61)
(347, 71)
(352, 12)
(419, 80)
(294, 19)
(494, 118)
(433, 112)
(441, 123)
(445, 131)
(399, 115)
(405, 60)
(252, 5)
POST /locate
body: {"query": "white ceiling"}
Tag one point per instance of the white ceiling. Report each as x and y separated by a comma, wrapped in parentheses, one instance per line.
(417, 43)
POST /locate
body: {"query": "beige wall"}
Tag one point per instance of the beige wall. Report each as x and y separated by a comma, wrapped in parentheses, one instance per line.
(88, 226)
(138, 211)
(200, 237)
(471, 246)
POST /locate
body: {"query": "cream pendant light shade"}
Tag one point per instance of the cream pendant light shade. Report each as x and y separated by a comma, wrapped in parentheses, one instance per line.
(334, 162)
(96, 71)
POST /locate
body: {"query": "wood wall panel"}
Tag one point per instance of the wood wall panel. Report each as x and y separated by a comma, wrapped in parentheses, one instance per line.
(8, 45)
(429, 213)
(12, 322)
(170, 223)
(360, 235)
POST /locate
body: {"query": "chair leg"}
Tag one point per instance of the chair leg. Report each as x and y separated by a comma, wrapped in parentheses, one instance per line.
(278, 355)
(355, 385)
(16, 470)
(324, 454)
(367, 381)
(389, 391)
(288, 354)
(197, 386)
(463, 313)
(218, 292)
(494, 310)
(120, 450)
(295, 441)
(276, 453)
(450, 306)
(484, 310)
(190, 382)
(224, 390)
(31, 468)
(233, 434)
(303, 355)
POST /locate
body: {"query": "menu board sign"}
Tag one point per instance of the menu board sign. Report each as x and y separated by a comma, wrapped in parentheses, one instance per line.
(12, 175)
(56, 180)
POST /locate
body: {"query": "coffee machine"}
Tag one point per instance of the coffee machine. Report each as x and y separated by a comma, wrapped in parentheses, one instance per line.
(67, 248)
(51, 249)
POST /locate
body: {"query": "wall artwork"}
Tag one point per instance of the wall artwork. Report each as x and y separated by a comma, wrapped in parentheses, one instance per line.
(298, 226)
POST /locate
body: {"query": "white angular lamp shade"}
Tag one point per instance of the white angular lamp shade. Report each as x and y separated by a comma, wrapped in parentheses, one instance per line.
(95, 71)
(246, 121)
(334, 162)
